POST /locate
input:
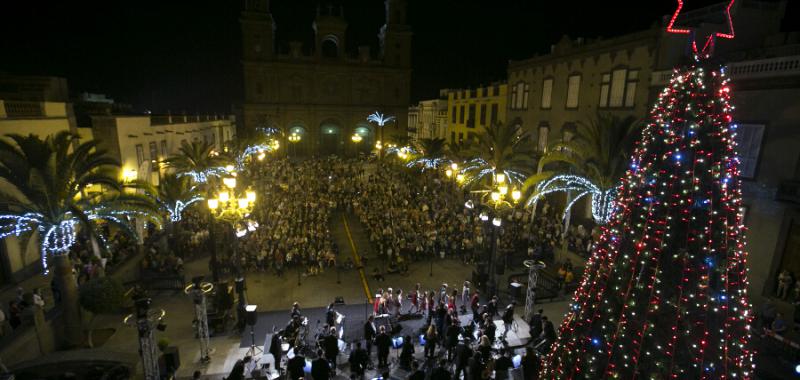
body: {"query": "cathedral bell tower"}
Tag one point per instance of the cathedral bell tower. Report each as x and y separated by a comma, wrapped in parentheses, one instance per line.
(395, 35)
(329, 30)
(258, 31)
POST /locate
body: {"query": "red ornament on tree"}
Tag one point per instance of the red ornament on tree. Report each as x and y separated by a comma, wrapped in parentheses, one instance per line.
(664, 294)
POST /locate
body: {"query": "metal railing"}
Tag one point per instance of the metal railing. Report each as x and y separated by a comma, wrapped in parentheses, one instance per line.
(755, 69)
(21, 109)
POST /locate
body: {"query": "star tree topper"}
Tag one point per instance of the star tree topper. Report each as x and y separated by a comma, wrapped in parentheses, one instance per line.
(708, 45)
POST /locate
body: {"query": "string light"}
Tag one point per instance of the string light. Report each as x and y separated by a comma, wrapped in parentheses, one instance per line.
(664, 293)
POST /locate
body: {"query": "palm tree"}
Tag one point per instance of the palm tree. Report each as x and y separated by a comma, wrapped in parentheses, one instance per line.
(239, 150)
(500, 149)
(431, 153)
(596, 159)
(43, 193)
(175, 193)
(198, 160)
(380, 119)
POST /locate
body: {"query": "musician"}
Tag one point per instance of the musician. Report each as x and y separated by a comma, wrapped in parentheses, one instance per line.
(292, 329)
(388, 302)
(330, 316)
(491, 307)
(383, 342)
(398, 303)
(414, 300)
(443, 297)
(369, 333)
(295, 310)
(451, 302)
(331, 346)
(377, 305)
(407, 353)
(275, 349)
(474, 304)
(508, 317)
(465, 296)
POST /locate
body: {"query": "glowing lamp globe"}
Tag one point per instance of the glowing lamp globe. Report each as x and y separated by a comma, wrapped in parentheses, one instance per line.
(251, 196)
(224, 197)
(213, 204)
(230, 182)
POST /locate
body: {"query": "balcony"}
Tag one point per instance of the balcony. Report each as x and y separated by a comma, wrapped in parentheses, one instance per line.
(789, 191)
(755, 69)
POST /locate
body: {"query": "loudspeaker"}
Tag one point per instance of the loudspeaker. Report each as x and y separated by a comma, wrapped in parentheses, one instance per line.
(239, 284)
(250, 316)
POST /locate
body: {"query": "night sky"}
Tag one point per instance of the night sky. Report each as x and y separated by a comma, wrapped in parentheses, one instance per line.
(185, 55)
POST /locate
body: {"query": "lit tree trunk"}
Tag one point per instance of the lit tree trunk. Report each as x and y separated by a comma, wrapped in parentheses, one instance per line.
(65, 280)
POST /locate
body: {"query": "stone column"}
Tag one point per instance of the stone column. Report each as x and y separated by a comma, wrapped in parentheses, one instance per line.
(65, 280)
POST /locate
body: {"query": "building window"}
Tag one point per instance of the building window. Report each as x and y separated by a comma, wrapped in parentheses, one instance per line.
(164, 148)
(495, 90)
(205, 139)
(139, 154)
(460, 137)
(461, 116)
(748, 141)
(153, 150)
(605, 84)
(453, 118)
(630, 88)
(471, 118)
(547, 93)
(453, 137)
(544, 130)
(519, 96)
(494, 116)
(573, 90)
(483, 114)
(618, 88)
(473, 93)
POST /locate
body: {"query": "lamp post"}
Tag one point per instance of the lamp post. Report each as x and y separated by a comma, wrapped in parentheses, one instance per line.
(145, 320)
(294, 138)
(198, 290)
(234, 209)
(499, 201)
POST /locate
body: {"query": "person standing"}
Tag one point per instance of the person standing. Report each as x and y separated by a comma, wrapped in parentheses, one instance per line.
(296, 365)
(331, 345)
(535, 324)
(320, 368)
(369, 333)
(430, 341)
(530, 365)
(463, 355)
(358, 361)
(501, 366)
(275, 350)
(474, 304)
(407, 353)
(475, 371)
(465, 296)
(383, 342)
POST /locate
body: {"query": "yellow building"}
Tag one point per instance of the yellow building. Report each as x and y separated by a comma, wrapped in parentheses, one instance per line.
(468, 110)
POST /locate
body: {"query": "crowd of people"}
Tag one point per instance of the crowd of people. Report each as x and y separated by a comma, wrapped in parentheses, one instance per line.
(461, 336)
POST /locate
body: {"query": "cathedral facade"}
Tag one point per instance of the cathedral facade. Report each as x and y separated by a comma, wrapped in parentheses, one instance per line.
(320, 92)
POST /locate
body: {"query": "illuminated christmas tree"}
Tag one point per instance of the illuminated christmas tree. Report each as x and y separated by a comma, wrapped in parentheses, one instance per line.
(664, 295)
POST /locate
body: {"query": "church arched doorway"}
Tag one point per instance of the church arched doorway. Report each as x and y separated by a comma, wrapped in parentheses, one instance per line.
(331, 140)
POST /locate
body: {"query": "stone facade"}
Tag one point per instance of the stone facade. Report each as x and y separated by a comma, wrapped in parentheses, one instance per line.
(428, 119)
(325, 96)
(469, 110)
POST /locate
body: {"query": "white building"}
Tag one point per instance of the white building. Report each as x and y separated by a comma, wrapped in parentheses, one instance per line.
(428, 119)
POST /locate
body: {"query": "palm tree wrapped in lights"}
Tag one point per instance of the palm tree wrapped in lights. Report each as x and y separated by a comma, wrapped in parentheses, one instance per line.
(596, 158)
(199, 161)
(502, 150)
(45, 193)
(431, 154)
(175, 193)
(380, 119)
